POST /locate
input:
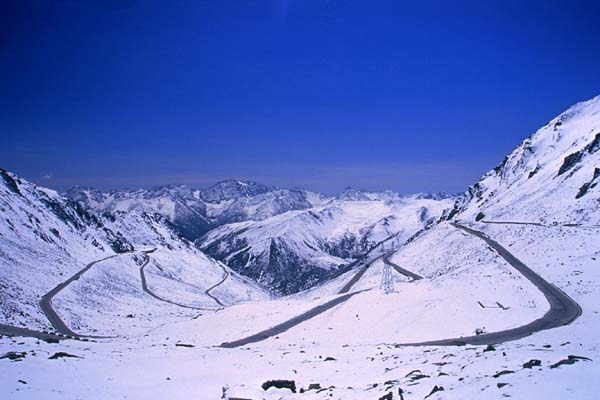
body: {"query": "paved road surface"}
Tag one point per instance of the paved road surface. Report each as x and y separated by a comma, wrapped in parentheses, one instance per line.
(356, 277)
(401, 270)
(563, 309)
(46, 301)
(278, 329)
(540, 224)
(9, 330)
(207, 291)
(146, 289)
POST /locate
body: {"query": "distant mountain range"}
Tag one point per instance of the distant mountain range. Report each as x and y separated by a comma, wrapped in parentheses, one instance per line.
(288, 240)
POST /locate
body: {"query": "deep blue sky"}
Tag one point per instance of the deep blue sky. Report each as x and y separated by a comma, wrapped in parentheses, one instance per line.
(410, 96)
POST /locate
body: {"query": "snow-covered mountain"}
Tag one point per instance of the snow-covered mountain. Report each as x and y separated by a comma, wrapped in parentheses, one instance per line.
(552, 176)
(488, 299)
(47, 238)
(193, 212)
(295, 250)
(179, 204)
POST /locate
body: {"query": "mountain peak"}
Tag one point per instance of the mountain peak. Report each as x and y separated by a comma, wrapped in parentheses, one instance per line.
(231, 189)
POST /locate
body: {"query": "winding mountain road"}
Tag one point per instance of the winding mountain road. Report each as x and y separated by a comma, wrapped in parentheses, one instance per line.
(356, 277)
(52, 315)
(313, 312)
(563, 310)
(540, 224)
(400, 270)
(146, 289)
(284, 326)
(10, 330)
(216, 285)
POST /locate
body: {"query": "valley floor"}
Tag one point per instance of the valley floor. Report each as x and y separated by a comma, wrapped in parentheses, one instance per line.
(357, 349)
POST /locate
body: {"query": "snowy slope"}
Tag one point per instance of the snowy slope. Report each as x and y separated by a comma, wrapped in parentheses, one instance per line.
(551, 177)
(176, 203)
(293, 251)
(47, 238)
(193, 212)
(360, 348)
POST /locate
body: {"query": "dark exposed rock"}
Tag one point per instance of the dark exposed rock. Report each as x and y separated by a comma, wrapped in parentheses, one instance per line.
(479, 216)
(489, 348)
(184, 345)
(569, 361)
(534, 172)
(388, 396)
(62, 354)
(14, 355)
(280, 384)
(532, 363)
(574, 158)
(504, 372)
(588, 185)
(435, 389)
(10, 182)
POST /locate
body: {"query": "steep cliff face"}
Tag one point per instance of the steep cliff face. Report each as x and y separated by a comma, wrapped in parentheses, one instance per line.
(551, 177)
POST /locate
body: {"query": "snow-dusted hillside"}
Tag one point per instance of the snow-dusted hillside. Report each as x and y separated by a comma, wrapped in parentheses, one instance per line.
(295, 250)
(179, 204)
(193, 212)
(46, 239)
(206, 332)
(551, 177)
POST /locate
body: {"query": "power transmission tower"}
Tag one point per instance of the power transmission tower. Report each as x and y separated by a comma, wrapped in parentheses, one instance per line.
(249, 293)
(387, 281)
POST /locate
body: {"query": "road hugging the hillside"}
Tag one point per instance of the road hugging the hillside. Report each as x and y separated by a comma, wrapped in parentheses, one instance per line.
(400, 270)
(313, 312)
(550, 225)
(146, 289)
(563, 309)
(48, 310)
(207, 291)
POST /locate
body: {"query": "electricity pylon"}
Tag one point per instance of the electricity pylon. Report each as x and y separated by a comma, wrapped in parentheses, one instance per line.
(387, 281)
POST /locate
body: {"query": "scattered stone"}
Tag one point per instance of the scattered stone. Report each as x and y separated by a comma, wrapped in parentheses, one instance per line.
(570, 360)
(435, 389)
(280, 384)
(22, 381)
(501, 385)
(14, 355)
(62, 354)
(129, 316)
(489, 348)
(330, 359)
(505, 372)
(51, 340)
(532, 363)
(184, 345)
(314, 386)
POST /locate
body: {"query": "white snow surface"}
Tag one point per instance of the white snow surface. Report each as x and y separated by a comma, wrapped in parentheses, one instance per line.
(360, 348)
